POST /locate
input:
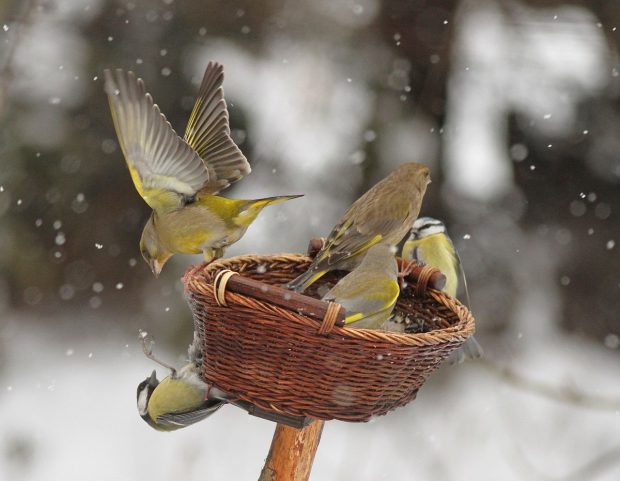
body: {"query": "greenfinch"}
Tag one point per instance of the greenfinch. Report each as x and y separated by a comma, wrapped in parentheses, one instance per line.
(369, 292)
(179, 177)
(384, 214)
(430, 244)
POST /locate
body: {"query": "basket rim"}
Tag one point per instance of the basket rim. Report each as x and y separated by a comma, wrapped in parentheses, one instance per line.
(198, 279)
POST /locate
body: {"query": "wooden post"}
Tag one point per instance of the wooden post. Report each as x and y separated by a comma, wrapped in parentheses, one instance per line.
(292, 453)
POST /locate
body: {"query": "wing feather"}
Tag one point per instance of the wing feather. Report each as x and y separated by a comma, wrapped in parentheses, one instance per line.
(164, 168)
(208, 133)
(191, 417)
(346, 241)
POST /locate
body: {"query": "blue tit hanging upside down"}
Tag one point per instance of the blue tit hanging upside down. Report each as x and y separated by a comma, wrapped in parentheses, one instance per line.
(384, 214)
(179, 177)
(180, 399)
(429, 244)
(369, 292)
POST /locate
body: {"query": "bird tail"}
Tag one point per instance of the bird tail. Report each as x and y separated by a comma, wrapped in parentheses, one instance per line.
(253, 207)
(301, 283)
(262, 203)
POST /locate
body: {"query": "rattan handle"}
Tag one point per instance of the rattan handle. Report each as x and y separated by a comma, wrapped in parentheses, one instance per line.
(331, 316)
(219, 286)
(308, 306)
(424, 278)
(315, 245)
(436, 279)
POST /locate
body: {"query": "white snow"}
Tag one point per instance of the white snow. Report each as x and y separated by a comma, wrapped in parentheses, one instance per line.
(75, 409)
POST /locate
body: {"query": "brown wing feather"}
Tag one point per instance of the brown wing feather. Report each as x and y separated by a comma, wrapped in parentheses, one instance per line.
(379, 215)
(208, 132)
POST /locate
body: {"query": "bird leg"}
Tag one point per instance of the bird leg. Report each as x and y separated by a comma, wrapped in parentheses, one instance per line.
(147, 347)
(408, 269)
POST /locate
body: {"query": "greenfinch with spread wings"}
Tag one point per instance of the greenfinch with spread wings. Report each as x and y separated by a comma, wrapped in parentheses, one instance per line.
(384, 214)
(369, 292)
(429, 243)
(180, 177)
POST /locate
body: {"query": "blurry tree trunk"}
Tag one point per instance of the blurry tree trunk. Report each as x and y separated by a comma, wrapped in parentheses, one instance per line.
(23, 21)
(292, 453)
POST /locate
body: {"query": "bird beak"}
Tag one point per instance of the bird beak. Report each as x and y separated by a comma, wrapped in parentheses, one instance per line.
(153, 378)
(156, 267)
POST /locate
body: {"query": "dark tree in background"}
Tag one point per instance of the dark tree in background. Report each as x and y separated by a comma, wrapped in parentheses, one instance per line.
(71, 218)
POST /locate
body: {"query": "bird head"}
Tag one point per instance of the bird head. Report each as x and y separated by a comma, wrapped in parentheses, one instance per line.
(425, 227)
(419, 175)
(145, 391)
(151, 249)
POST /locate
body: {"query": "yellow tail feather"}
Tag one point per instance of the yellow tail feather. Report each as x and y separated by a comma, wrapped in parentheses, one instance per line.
(253, 208)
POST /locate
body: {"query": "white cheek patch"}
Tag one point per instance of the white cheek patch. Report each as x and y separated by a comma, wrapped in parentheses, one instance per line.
(142, 402)
(432, 230)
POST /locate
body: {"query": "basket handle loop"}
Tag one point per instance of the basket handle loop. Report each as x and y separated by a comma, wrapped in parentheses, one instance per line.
(423, 279)
(329, 320)
(219, 286)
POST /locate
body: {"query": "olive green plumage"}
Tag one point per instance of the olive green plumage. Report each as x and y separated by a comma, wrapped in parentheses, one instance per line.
(179, 177)
(180, 399)
(384, 214)
(369, 292)
(430, 244)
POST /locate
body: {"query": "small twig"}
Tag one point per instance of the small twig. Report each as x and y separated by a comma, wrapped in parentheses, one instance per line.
(565, 394)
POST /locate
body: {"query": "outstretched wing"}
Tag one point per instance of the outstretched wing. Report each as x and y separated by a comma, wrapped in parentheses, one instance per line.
(208, 133)
(164, 168)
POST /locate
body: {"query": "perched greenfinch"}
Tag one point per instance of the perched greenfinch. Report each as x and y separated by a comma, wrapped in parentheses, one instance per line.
(180, 399)
(384, 214)
(429, 244)
(179, 177)
(369, 292)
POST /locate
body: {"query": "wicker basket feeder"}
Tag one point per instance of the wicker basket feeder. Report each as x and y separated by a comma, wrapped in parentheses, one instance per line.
(286, 356)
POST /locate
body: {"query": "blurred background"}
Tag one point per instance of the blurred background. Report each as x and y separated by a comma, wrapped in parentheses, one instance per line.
(513, 104)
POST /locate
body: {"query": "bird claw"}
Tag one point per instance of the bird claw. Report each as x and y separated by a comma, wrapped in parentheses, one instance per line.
(404, 273)
(407, 270)
(147, 342)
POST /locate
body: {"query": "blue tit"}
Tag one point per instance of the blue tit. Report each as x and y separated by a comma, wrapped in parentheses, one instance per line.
(384, 214)
(369, 292)
(429, 243)
(180, 399)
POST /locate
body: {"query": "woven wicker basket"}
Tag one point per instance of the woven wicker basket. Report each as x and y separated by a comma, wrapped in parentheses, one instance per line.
(284, 361)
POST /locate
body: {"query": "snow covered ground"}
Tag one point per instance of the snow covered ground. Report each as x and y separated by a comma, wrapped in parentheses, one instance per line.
(67, 411)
